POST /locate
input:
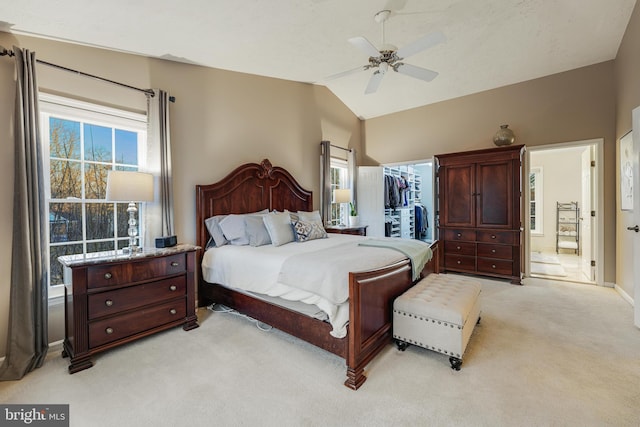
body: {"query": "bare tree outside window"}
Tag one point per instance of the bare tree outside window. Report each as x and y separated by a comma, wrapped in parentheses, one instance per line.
(81, 154)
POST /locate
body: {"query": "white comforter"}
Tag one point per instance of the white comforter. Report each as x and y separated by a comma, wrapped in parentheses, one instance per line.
(259, 269)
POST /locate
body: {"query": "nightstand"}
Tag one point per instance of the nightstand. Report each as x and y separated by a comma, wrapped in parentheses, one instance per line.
(113, 298)
(360, 230)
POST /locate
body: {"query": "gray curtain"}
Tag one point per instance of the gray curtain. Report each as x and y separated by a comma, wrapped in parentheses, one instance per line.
(27, 339)
(159, 215)
(325, 181)
(352, 168)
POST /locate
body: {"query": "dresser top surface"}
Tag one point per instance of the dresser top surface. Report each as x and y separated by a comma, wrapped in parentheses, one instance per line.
(113, 256)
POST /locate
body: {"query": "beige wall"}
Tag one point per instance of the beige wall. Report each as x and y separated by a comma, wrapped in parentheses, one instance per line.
(575, 105)
(627, 73)
(220, 120)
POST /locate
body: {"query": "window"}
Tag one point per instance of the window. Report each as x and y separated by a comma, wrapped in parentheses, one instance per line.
(535, 200)
(82, 143)
(339, 179)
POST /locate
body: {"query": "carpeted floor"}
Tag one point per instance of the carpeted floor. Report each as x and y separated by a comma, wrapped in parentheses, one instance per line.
(545, 354)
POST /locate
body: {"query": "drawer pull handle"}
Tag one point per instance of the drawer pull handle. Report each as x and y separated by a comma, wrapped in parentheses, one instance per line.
(108, 303)
(493, 236)
(459, 234)
(493, 251)
(458, 247)
(175, 264)
(173, 311)
(173, 287)
(109, 331)
(493, 266)
(107, 276)
(459, 262)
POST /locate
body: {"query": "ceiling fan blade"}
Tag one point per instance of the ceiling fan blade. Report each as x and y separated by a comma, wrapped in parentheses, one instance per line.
(374, 82)
(416, 72)
(424, 42)
(365, 45)
(345, 73)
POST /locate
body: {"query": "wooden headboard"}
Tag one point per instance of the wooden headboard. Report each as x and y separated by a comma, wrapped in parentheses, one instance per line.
(249, 188)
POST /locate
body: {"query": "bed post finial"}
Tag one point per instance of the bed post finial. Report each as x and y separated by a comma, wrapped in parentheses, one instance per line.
(267, 169)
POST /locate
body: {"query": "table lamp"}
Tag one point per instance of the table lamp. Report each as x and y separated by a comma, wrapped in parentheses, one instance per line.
(132, 187)
(342, 195)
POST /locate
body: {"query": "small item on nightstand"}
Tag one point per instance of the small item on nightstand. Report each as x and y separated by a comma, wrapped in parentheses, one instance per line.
(166, 241)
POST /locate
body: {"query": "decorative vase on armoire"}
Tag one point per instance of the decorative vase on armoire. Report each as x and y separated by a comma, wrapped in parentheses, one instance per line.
(504, 136)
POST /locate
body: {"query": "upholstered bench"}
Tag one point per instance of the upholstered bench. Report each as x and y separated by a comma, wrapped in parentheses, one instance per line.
(438, 313)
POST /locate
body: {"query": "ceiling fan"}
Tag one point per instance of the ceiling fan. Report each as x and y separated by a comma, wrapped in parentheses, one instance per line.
(390, 58)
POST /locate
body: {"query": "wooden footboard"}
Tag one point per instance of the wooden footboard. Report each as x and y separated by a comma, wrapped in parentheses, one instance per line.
(371, 296)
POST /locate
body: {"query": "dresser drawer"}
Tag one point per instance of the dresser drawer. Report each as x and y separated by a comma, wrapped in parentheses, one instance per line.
(157, 267)
(113, 302)
(107, 275)
(105, 331)
(495, 266)
(460, 262)
(505, 237)
(459, 248)
(461, 234)
(488, 250)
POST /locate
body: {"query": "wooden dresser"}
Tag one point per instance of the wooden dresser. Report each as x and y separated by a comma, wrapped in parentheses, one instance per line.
(358, 230)
(479, 202)
(112, 299)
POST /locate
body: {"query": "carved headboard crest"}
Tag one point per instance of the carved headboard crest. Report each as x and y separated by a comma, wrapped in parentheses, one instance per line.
(267, 169)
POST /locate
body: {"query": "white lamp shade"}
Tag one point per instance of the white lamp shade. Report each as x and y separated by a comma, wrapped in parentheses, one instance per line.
(129, 186)
(342, 195)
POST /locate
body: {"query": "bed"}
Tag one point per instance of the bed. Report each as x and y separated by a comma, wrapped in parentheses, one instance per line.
(254, 187)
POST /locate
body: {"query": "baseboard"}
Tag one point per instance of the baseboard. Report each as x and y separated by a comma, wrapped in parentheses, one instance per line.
(625, 296)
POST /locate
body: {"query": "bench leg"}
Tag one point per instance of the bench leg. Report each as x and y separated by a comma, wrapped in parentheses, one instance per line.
(455, 363)
(402, 346)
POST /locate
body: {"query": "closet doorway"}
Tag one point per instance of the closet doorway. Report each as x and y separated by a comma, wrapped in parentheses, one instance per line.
(422, 198)
(563, 194)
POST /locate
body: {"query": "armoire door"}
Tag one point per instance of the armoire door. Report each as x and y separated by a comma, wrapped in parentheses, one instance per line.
(494, 194)
(458, 180)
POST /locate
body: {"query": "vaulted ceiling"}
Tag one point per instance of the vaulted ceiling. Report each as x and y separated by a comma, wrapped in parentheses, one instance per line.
(489, 43)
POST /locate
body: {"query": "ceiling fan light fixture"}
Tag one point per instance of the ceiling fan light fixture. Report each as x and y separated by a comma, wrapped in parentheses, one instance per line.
(384, 67)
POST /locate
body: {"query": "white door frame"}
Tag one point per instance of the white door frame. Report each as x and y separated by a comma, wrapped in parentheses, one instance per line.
(636, 214)
(598, 205)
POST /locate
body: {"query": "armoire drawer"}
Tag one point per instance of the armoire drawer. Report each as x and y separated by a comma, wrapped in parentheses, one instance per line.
(487, 250)
(114, 328)
(495, 266)
(117, 301)
(460, 235)
(491, 236)
(459, 248)
(460, 262)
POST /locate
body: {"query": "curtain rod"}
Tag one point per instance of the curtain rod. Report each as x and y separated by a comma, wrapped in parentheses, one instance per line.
(150, 92)
(335, 146)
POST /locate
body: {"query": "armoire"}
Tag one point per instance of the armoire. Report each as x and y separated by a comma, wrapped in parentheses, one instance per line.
(479, 212)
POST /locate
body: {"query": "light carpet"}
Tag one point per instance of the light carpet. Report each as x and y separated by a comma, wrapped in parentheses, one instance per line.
(545, 354)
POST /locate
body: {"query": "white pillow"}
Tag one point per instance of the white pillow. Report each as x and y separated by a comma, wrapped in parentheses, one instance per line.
(279, 227)
(310, 217)
(213, 225)
(256, 230)
(233, 227)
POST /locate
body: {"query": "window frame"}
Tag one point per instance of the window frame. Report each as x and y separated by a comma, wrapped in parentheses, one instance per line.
(536, 202)
(94, 114)
(338, 212)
